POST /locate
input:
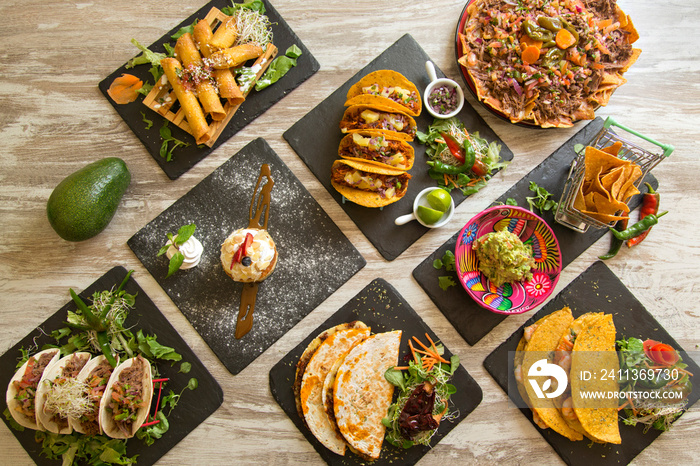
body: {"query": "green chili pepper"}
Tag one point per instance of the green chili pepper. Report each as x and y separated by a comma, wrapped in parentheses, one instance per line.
(92, 320)
(469, 153)
(103, 340)
(551, 24)
(441, 167)
(639, 227)
(536, 32)
(553, 56)
(615, 244)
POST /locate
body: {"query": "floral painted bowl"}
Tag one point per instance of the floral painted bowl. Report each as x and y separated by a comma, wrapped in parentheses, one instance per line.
(516, 297)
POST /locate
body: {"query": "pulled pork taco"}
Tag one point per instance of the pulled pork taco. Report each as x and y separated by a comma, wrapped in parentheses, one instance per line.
(22, 389)
(127, 398)
(380, 118)
(386, 87)
(58, 394)
(368, 184)
(95, 376)
(374, 147)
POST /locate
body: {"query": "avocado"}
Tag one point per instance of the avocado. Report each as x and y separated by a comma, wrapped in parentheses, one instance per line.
(83, 204)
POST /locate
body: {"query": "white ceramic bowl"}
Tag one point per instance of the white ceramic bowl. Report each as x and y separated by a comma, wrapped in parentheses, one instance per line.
(436, 82)
(421, 199)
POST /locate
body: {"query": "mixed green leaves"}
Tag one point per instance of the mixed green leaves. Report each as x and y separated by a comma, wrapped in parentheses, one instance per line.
(541, 200)
(448, 263)
(175, 241)
(169, 143)
(279, 67)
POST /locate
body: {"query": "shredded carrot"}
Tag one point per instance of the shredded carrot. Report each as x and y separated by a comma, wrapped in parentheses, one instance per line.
(564, 39)
(401, 368)
(124, 89)
(413, 351)
(623, 406)
(432, 344)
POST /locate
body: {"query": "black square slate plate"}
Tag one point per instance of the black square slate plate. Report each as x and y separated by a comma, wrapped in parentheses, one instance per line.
(381, 307)
(193, 408)
(315, 257)
(595, 290)
(471, 320)
(255, 104)
(317, 135)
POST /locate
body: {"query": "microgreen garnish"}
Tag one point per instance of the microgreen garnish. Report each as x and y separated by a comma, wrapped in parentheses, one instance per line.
(167, 135)
(541, 200)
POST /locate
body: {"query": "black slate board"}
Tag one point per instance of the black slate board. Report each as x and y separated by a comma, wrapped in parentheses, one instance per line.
(317, 135)
(381, 307)
(315, 257)
(471, 320)
(255, 104)
(194, 406)
(596, 289)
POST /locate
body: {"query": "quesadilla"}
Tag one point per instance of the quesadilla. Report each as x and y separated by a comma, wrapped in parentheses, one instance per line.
(127, 398)
(55, 395)
(21, 391)
(368, 184)
(361, 394)
(311, 392)
(386, 87)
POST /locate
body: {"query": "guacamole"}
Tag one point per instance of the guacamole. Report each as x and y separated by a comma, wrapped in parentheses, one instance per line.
(503, 257)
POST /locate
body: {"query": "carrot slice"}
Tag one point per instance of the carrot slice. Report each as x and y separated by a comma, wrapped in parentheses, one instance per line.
(527, 40)
(564, 39)
(531, 54)
(124, 89)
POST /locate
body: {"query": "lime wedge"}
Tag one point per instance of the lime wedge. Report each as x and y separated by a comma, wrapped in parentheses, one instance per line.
(428, 215)
(439, 199)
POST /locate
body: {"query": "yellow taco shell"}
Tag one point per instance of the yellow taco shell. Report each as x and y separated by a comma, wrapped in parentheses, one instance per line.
(367, 169)
(388, 88)
(380, 118)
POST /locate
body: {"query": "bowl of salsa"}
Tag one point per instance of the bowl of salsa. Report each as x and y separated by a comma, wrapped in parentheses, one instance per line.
(443, 97)
(489, 256)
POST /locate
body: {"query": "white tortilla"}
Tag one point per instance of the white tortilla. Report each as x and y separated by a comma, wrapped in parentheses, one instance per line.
(84, 373)
(106, 421)
(311, 394)
(12, 404)
(361, 394)
(53, 372)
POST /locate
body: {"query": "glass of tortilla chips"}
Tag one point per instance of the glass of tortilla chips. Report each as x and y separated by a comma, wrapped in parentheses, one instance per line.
(604, 176)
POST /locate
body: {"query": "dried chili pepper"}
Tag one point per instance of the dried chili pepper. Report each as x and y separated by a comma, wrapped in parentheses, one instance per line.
(650, 205)
(615, 244)
(639, 227)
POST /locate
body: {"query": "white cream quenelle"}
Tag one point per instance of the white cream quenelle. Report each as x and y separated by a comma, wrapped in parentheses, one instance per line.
(192, 250)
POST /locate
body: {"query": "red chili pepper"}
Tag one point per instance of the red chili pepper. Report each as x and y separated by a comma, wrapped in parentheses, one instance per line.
(242, 250)
(480, 168)
(650, 205)
(454, 147)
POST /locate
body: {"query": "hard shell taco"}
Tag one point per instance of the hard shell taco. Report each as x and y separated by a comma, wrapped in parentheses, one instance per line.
(21, 391)
(386, 87)
(95, 375)
(380, 118)
(368, 184)
(54, 404)
(372, 146)
(127, 398)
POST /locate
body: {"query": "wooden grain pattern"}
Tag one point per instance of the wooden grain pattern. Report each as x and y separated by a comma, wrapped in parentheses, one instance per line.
(54, 120)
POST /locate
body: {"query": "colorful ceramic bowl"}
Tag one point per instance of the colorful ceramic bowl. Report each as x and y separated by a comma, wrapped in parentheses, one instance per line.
(516, 297)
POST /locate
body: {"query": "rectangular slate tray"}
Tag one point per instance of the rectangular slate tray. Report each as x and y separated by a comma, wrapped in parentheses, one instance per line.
(255, 104)
(315, 257)
(596, 289)
(316, 137)
(193, 408)
(383, 309)
(471, 320)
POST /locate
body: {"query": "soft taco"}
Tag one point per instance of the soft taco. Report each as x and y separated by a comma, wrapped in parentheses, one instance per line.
(594, 349)
(311, 393)
(21, 391)
(368, 184)
(127, 398)
(542, 338)
(54, 402)
(386, 87)
(375, 147)
(379, 118)
(95, 375)
(361, 394)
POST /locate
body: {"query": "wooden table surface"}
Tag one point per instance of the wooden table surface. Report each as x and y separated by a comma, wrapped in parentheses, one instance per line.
(54, 120)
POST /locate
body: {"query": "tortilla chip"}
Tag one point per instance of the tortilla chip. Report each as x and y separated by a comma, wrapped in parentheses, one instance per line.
(630, 61)
(633, 35)
(605, 218)
(610, 206)
(613, 149)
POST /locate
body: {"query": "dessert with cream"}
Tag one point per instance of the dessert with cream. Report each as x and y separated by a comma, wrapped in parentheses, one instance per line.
(191, 249)
(249, 255)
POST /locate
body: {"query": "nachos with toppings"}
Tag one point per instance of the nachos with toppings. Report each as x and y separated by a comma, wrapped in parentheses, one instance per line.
(547, 63)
